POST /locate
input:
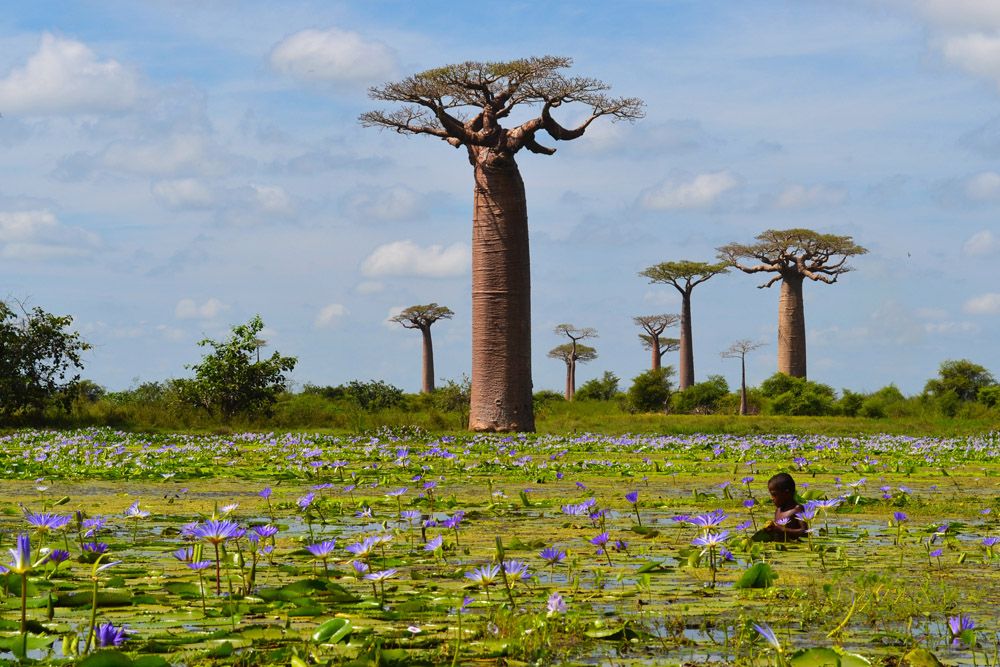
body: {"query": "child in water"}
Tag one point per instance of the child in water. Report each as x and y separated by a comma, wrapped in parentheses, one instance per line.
(786, 526)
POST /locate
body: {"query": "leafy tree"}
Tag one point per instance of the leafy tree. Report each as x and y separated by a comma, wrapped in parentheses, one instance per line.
(652, 340)
(465, 105)
(962, 377)
(421, 317)
(793, 255)
(374, 395)
(702, 397)
(38, 357)
(229, 382)
(684, 277)
(739, 350)
(791, 395)
(989, 396)
(650, 391)
(604, 388)
(570, 354)
(454, 397)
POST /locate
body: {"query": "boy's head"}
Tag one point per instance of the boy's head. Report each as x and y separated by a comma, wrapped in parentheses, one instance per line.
(782, 489)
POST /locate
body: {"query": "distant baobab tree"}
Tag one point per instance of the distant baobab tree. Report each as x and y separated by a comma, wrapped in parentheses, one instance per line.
(793, 255)
(570, 354)
(654, 326)
(739, 350)
(464, 105)
(684, 276)
(574, 334)
(422, 317)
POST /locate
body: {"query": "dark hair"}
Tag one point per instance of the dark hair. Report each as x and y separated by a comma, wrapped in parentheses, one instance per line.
(783, 482)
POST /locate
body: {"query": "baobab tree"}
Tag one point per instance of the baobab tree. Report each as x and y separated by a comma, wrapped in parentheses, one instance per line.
(739, 350)
(654, 326)
(464, 105)
(422, 317)
(574, 334)
(570, 354)
(665, 345)
(684, 276)
(793, 255)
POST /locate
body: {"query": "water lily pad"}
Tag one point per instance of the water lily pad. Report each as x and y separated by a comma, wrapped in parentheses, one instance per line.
(827, 657)
(758, 575)
(333, 631)
(107, 659)
(920, 657)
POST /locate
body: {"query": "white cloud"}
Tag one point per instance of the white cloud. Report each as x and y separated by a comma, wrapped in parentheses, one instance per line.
(393, 311)
(388, 204)
(981, 244)
(983, 187)
(328, 315)
(950, 328)
(38, 235)
(333, 56)
(976, 52)
(64, 77)
(273, 199)
(177, 154)
(188, 309)
(702, 191)
(182, 193)
(809, 196)
(406, 258)
(984, 304)
(961, 14)
(369, 287)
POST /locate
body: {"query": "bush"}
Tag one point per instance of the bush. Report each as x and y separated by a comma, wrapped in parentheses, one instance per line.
(650, 391)
(989, 396)
(798, 396)
(542, 398)
(604, 388)
(850, 403)
(960, 377)
(701, 398)
(374, 395)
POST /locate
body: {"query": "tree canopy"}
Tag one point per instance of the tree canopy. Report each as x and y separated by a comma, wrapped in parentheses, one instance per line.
(38, 354)
(961, 377)
(229, 382)
(422, 316)
(684, 275)
(464, 103)
(565, 352)
(794, 251)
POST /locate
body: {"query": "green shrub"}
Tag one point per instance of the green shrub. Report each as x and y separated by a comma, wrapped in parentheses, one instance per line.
(374, 395)
(701, 398)
(604, 388)
(650, 391)
(798, 396)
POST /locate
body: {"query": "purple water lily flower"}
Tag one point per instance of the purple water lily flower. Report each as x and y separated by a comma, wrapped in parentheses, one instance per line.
(109, 635)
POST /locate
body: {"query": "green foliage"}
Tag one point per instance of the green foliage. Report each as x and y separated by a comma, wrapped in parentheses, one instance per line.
(546, 396)
(38, 355)
(229, 381)
(604, 388)
(454, 397)
(989, 396)
(878, 405)
(758, 575)
(374, 394)
(850, 403)
(962, 378)
(700, 398)
(650, 391)
(798, 396)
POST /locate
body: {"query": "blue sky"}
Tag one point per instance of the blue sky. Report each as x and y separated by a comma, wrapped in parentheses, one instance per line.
(172, 168)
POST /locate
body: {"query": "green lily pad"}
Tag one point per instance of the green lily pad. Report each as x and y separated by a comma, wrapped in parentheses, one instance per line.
(333, 631)
(827, 657)
(920, 657)
(107, 659)
(758, 575)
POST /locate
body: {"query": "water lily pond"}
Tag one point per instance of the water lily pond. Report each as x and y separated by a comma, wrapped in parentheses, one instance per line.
(406, 548)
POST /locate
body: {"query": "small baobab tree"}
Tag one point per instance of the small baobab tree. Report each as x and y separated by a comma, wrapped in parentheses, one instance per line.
(574, 334)
(684, 276)
(739, 350)
(570, 354)
(652, 339)
(793, 255)
(422, 317)
(466, 105)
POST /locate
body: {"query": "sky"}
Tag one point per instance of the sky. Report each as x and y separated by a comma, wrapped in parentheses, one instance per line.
(169, 169)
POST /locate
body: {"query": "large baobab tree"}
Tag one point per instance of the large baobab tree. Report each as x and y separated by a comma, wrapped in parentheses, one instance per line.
(574, 334)
(422, 317)
(739, 350)
(793, 255)
(654, 326)
(570, 354)
(464, 105)
(684, 276)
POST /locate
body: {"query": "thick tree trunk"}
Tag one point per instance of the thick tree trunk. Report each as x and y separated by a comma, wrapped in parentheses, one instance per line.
(568, 391)
(686, 378)
(657, 353)
(791, 327)
(428, 384)
(501, 297)
(743, 385)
